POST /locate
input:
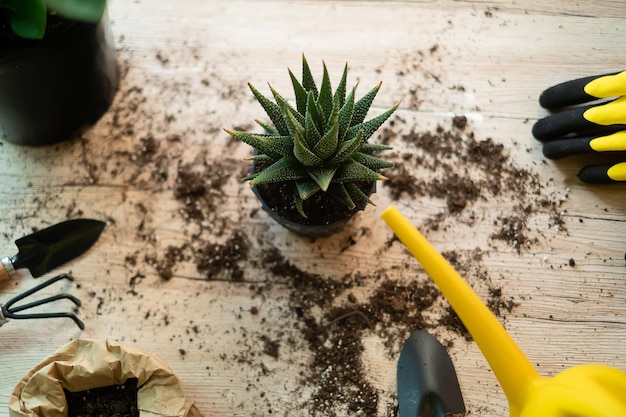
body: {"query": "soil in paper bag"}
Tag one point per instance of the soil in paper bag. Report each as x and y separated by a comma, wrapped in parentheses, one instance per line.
(112, 401)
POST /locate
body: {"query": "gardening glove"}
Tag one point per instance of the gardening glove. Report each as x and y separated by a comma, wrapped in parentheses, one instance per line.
(579, 128)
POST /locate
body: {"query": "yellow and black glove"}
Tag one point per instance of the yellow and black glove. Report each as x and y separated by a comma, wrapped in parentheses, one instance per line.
(579, 129)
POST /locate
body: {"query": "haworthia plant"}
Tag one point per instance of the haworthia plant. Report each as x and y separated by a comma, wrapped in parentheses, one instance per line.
(322, 143)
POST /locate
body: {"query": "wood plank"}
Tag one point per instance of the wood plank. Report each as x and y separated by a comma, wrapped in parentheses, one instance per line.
(186, 65)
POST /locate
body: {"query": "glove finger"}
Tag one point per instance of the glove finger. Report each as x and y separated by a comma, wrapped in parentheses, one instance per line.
(582, 90)
(611, 115)
(603, 174)
(580, 145)
(561, 124)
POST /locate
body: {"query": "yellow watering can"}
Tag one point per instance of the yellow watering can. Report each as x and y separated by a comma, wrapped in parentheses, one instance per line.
(590, 390)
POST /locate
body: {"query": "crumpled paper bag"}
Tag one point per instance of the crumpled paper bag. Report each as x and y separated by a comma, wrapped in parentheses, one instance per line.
(93, 363)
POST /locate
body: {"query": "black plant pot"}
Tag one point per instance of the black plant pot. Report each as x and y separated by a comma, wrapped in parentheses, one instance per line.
(300, 225)
(52, 88)
(309, 230)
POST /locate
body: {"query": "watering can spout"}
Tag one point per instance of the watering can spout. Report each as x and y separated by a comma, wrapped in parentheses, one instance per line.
(497, 346)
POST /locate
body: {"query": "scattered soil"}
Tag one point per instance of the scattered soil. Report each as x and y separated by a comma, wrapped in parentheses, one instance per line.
(329, 315)
(112, 401)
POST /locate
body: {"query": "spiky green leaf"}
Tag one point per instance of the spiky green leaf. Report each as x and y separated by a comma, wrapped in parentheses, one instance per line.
(268, 129)
(307, 78)
(353, 171)
(300, 92)
(313, 124)
(345, 114)
(285, 169)
(355, 191)
(307, 188)
(260, 157)
(372, 162)
(346, 149)
(327, 145)
(340, 92)
(371, 125)
(323, 176)
(372, 148)
(274, 146)
(305, 155)
(299, 205)
(340, 193)
(287, 108)
(363, 105)
(273, 111)
(325, 98)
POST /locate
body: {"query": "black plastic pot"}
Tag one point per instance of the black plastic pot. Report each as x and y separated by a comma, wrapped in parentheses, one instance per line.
(52, 88)
(310, 230)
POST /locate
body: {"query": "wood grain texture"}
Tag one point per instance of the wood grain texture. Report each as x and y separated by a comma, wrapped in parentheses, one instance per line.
(185, 67)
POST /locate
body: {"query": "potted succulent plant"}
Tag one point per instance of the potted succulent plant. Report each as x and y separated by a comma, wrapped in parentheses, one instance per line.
(58, 70)
(313, 168)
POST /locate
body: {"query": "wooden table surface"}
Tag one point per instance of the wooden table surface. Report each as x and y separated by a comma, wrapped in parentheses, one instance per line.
(235, 336)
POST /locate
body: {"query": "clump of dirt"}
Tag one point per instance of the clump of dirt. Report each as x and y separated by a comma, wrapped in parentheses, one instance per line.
(392, 311)
(114, 400)
(214, 258)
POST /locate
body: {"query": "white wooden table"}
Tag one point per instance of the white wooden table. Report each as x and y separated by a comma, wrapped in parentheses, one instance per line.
(186, 65)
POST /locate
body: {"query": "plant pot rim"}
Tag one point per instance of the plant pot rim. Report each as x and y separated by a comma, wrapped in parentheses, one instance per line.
(310, 230)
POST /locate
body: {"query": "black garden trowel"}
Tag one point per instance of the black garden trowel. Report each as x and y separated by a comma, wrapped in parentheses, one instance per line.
(427, 382)
(48, 248)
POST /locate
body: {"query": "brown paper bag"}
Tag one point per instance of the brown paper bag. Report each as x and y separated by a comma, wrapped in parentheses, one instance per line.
(93, 363)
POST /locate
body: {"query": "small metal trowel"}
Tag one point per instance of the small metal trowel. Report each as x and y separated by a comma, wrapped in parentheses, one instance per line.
(427, 382)
(48, 248)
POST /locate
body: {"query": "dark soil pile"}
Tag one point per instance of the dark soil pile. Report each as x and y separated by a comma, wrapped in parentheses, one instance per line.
(112, 401)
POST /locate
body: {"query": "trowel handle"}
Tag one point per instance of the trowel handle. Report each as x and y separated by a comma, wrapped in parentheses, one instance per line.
(6, 269)
(513, 370)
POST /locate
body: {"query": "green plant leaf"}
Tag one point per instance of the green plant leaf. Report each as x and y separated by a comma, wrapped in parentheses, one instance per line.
(285, 169)
(371, 125)
(346, 149)
(303, 154)
(275, 147)
(300, 92)
(299, 204)
(296, 130)
(354, 171)
(268, 129)
(340, 92)
(372, 162)
(273, 111)
(363, 105)
(284, 106)
(353, 190)
(27, 18)
(327, 145)
(315, 113)
(308, 82)
(323, 176)
(260, 157)
(312, 123)
(371, 148)
(345, 114)
(83, 10)
(307, 188)
(325, 98)
(339, 192)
